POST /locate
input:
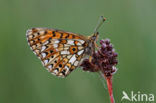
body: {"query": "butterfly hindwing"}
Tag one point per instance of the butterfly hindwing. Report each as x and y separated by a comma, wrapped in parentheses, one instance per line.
(60, 52)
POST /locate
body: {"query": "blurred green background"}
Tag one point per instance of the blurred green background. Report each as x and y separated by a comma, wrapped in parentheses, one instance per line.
(131, 26)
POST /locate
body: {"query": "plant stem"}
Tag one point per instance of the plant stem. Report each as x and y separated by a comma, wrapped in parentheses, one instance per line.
(110, 89)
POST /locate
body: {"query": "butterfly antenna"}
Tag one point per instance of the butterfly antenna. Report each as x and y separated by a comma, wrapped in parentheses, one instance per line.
(100, 22)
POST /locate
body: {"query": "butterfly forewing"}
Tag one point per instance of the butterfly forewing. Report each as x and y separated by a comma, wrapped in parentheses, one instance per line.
(60, 52)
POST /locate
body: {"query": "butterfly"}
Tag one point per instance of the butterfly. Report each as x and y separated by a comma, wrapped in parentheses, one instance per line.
(60, 52)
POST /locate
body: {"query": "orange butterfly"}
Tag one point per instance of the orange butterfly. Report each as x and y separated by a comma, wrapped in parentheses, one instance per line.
(61, 52)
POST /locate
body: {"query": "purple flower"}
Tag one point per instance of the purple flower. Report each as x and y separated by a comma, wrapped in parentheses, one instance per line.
(103, 60)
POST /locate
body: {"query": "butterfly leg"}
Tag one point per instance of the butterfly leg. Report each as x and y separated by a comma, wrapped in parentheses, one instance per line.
(96, 46)
(90, 58)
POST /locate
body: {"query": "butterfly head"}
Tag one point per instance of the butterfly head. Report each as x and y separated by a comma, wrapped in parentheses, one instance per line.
(92, 43)
(94, 37)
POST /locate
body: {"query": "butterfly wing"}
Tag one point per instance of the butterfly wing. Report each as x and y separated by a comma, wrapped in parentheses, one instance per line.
(60, 52)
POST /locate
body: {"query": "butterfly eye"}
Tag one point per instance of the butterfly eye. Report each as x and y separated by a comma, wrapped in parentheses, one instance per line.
(93, 37)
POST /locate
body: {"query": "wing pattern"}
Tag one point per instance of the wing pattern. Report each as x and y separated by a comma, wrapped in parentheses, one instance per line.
(60, 52)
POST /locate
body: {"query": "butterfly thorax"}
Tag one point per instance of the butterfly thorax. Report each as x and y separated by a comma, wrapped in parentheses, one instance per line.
(92, 44)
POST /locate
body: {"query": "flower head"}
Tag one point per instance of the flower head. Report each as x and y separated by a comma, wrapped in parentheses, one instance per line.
(103, 60)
